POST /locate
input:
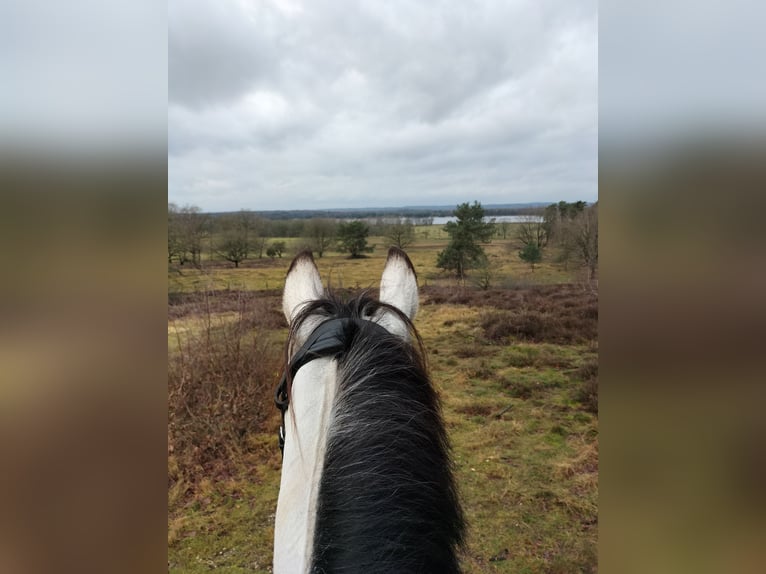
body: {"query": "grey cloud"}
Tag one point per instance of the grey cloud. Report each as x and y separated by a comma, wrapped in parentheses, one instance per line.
(217, 51)
(326, 103)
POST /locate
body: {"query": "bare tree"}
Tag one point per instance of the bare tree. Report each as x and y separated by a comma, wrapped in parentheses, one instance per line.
(175, 243)
(401, 233)
(187, 229)
(237, 230)
(557, 216)
(565, 234)
(256, 229)
(531, 232)
(244, 222)
(577, 239)
(320, 234)
(586, 238)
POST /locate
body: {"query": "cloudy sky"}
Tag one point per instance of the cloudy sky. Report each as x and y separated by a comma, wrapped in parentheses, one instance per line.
(283, 104)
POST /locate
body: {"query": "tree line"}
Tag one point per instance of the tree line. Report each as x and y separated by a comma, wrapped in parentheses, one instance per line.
(570, 230)
(235, 237)
(417, 215)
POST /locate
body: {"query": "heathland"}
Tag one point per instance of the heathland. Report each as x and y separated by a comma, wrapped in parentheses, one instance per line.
(512, 350)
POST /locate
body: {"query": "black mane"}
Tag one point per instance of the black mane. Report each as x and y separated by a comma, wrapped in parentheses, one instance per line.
(387, 499)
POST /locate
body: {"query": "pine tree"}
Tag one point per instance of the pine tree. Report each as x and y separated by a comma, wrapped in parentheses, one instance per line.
(463, 251)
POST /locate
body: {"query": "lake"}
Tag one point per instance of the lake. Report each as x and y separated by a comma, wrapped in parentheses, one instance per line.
(497, 218)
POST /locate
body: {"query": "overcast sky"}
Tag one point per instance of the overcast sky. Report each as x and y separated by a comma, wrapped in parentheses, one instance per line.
(283, 104)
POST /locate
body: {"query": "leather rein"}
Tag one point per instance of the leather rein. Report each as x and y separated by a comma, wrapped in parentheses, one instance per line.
(328, 339)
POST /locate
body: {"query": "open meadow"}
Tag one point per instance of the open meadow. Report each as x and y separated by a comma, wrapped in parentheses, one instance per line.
(516, 365)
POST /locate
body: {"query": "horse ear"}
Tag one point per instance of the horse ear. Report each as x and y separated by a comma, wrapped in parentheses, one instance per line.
(303, 284)
(398, 287)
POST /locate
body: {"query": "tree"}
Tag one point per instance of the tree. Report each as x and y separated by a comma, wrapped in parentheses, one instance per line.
(352, 238)
(175, 244)
(551, 221)
(276, 249)
(401, 233)
(187, 228)
(556, 216)
(320, 234)
(576, 237)
(531, 253)
(463, 251)
(235, 249)
(531, 232)
(565, 241)
(586, 238)
(258, 231)
(239, 231)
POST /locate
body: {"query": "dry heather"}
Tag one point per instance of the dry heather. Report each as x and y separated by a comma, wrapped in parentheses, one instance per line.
(560, 314)
(220, 382)
(263, 306)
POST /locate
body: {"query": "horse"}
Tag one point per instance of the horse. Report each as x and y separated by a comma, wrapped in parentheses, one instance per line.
(367, 481)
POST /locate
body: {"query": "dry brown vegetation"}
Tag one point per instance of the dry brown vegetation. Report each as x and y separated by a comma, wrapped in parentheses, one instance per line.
(551, 313)
(261, 306)
(218, 382)
(562, 296)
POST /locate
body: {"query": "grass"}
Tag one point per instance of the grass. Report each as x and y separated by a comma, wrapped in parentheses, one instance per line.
(228, 524)
(521, 412)
(340, 271)
(527, 465)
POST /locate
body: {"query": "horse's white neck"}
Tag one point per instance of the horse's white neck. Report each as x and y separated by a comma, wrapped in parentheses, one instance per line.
(307, 422)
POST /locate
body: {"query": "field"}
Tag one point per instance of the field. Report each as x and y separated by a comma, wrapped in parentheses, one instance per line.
(516, 366)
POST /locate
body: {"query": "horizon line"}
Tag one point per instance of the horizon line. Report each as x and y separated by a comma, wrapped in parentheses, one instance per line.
(402, 207)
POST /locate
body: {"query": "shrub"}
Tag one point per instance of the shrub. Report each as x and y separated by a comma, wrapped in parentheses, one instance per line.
(554, 325)
(220, 383)
(531, 253)
(526, 324)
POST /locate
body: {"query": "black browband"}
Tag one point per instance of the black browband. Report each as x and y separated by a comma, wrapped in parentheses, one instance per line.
(327, 340)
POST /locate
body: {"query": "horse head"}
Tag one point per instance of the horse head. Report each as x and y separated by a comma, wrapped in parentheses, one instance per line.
(366, 477)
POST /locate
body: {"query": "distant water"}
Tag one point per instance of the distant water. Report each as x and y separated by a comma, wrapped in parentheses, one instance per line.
(497, 218)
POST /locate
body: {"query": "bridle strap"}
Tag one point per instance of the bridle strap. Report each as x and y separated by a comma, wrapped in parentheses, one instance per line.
(327, 340)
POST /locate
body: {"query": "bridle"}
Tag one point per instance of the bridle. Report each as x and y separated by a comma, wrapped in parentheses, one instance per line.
(328, 339)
